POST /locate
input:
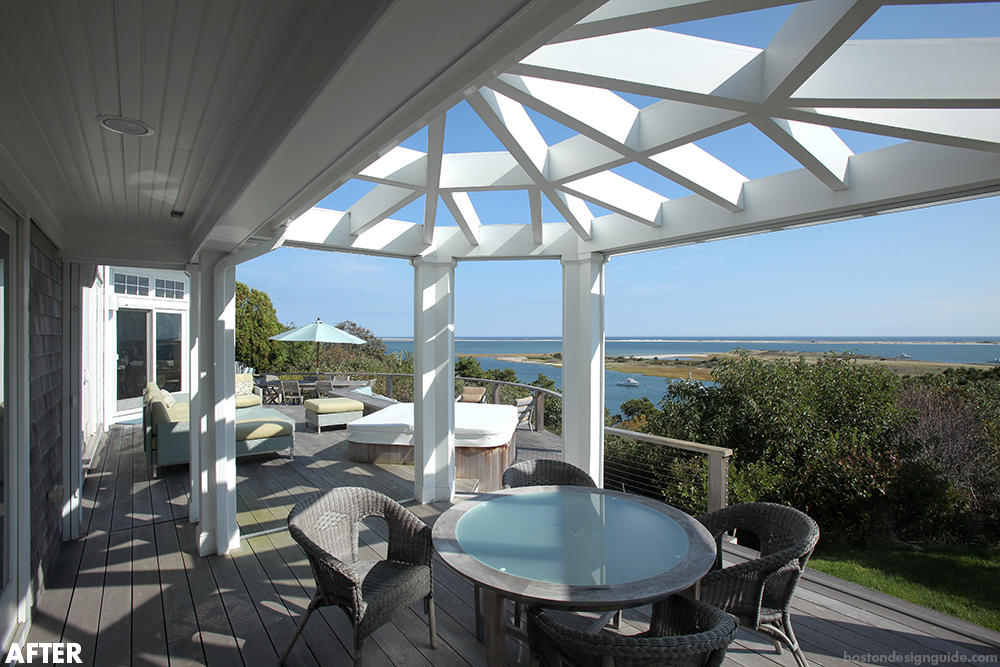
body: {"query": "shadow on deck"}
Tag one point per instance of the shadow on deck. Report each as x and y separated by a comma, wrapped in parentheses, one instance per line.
(134, 592)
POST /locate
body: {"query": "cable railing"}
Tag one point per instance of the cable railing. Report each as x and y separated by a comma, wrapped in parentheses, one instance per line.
(688, 475)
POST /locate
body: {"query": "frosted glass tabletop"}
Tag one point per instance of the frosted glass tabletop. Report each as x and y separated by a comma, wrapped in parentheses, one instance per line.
(576, 539)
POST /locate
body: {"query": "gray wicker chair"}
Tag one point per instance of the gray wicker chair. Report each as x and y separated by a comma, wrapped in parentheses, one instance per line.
(545, 472)
(683, 632)
(371, 593)
(759, 592)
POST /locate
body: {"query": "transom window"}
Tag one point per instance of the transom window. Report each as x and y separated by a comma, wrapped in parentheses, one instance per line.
(129, 284)
(170, 289)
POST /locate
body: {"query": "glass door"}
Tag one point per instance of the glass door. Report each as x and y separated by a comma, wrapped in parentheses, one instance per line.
(133, 356)
(168, 351)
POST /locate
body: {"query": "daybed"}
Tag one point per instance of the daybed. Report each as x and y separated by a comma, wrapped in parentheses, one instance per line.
(259, 430)
(484, 440)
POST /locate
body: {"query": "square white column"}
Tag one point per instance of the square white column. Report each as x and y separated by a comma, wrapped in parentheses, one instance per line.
(217, 529)
(434, 380)
(583, 363)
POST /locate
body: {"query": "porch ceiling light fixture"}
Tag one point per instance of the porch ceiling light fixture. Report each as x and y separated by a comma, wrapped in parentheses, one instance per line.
(126, 126)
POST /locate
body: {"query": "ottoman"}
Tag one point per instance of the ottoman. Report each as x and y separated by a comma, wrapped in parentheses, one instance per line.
(322, 412)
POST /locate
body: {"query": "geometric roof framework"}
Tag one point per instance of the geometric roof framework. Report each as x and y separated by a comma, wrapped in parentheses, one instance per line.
(630, 97)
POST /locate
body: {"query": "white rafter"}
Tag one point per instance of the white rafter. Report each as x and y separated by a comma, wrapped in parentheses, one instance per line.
(435, 149)
(940, 97)
(816, 147)
(460, 205)
(510, 123)
(381, 202)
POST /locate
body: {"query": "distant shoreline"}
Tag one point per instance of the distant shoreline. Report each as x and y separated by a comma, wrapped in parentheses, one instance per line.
(737, 341)
(698, 366)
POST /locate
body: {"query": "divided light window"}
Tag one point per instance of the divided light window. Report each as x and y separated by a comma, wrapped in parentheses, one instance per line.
(128, 284)
(170, 289)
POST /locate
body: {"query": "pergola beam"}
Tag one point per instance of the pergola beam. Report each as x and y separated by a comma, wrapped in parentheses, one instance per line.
(626, 15)
(917, 74)
(812, 34)
(520, 137)
(435, 150)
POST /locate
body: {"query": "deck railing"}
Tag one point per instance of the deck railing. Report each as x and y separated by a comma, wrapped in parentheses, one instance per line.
(689, 475)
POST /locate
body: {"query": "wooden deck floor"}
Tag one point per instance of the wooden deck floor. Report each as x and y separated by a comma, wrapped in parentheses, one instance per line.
(133, 592)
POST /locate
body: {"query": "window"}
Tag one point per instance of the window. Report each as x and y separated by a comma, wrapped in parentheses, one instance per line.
(129, 284)
(170, 289)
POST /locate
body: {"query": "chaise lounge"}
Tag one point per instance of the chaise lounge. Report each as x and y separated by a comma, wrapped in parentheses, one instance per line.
(165, 420)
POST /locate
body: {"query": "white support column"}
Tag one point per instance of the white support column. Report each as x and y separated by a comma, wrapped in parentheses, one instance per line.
(434, 379)
(194, 391)
(583, 363)
(217, 532)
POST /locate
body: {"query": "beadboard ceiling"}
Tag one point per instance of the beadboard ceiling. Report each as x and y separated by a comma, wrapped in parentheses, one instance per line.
(258, 108)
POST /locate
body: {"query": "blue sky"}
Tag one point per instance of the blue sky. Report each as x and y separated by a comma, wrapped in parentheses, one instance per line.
(928, 272)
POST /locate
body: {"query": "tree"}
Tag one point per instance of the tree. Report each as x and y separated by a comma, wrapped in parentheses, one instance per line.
(468, 367)
(256, 322)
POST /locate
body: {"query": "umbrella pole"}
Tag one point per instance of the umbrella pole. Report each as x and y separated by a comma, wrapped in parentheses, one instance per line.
(317, 358)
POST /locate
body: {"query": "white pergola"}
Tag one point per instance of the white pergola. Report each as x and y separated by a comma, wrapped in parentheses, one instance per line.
(257, 112)
(938, 97)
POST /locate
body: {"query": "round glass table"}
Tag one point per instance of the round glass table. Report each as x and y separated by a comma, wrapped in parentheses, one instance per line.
(570, 547)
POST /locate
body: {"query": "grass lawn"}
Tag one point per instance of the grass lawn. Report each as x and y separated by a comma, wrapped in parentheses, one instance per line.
(963, 582)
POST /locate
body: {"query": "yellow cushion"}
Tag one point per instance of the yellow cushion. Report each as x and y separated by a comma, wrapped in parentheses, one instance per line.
(247, 400)
(326, 406)
(254, 429)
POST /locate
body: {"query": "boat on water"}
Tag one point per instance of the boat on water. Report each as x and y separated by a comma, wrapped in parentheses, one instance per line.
(629, 382)
(902, 355)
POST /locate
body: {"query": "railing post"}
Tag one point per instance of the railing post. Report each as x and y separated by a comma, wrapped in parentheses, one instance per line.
(718, 481)
(495, 398)
(540, 412)
(388, 386)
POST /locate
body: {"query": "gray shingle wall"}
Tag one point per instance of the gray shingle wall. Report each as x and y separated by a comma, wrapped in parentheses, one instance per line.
(45, 368)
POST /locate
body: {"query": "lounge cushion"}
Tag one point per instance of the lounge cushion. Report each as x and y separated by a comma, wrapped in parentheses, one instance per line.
(247, 400)
(476, 425)
(326, 406)
(254, 429)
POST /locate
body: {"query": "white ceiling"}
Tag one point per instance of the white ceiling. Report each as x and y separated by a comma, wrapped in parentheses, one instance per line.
(256, 107)
(636, 99)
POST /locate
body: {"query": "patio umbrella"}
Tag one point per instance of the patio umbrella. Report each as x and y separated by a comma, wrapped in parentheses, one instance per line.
(318, 332)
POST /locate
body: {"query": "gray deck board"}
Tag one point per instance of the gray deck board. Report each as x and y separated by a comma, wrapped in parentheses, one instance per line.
(134, 592)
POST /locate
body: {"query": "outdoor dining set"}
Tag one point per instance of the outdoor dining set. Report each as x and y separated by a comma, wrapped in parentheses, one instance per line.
(558, 546)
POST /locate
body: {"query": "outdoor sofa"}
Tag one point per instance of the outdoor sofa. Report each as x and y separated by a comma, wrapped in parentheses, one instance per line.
(259, 430)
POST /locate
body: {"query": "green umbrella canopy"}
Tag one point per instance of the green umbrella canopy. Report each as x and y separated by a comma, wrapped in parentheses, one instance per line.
(318, 332)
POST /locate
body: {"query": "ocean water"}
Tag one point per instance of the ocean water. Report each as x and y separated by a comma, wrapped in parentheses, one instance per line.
(980, 350)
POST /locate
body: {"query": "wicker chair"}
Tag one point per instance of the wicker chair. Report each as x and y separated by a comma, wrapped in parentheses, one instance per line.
(290, 392)
(545, 472)
(759, 592)
(683, 632)
(371, 593)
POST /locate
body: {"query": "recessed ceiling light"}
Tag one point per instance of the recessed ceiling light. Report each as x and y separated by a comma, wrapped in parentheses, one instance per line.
(129, 126)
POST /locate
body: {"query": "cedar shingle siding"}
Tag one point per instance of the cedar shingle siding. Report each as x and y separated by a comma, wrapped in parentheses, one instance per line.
(46, 384)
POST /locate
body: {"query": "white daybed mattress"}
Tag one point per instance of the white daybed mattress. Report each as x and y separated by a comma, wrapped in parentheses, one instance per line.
(476, 425)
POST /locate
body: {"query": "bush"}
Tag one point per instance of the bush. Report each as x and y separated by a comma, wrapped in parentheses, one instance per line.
(871, 456)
